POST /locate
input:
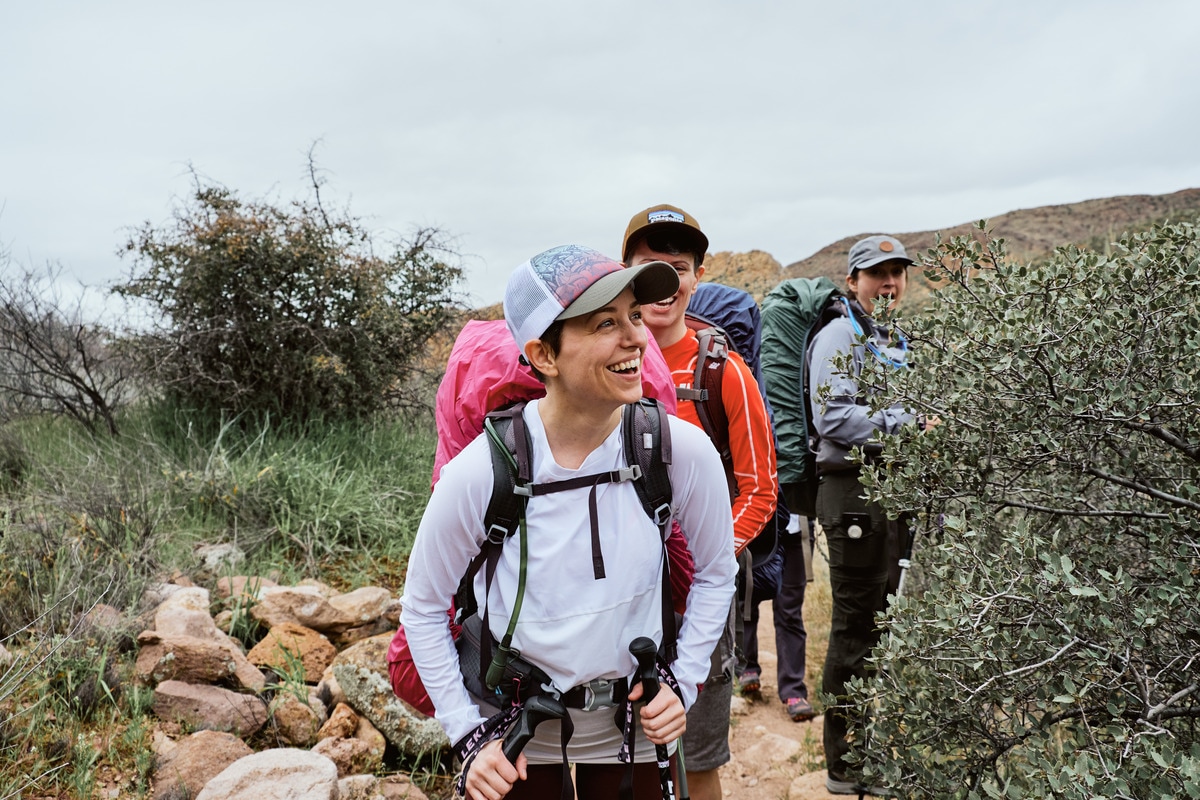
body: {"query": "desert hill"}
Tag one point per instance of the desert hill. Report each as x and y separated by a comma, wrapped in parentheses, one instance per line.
(1030, 234)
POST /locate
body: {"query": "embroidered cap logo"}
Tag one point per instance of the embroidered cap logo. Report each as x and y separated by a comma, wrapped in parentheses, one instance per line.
(664, 215)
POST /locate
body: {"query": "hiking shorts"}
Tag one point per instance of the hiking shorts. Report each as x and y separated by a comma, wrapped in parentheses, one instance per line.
(706, 741)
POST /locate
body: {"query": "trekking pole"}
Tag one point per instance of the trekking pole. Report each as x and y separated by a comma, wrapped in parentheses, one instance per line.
(644, 650)
(905, 562)
(682, 771)
(534, 712)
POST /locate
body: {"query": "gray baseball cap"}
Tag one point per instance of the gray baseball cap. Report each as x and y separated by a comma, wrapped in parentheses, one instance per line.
(875, 250)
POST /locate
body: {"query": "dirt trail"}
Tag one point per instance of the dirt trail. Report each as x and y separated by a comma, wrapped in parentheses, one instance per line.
(770, 753)
(774, 758)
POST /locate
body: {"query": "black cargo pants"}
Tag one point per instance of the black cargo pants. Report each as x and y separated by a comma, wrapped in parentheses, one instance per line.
(864, 551)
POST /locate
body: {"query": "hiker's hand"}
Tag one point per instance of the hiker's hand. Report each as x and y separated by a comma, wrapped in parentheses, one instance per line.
(928, 423)
(491, 776)
(663, 718)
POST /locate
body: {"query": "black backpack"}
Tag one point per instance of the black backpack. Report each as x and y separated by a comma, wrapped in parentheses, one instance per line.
(647, 448)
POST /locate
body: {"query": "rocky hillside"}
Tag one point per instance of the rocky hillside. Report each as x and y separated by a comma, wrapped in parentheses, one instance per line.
(1030, 234)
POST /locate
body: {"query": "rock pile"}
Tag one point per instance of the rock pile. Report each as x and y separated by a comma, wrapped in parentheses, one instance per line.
(312, 697)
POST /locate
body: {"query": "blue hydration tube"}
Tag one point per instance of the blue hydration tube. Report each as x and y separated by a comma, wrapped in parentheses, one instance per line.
(897, 363)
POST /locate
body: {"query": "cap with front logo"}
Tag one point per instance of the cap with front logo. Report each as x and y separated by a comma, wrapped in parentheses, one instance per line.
(669, 217)
(571, 281)
(875, 250)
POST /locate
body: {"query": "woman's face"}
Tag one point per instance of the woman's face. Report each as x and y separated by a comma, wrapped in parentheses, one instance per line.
(599, 361)
(888, 278)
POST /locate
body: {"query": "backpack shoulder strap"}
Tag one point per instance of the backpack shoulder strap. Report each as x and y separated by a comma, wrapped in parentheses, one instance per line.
(711, 357)
(509, 446)
(511, 468)
(647, 445)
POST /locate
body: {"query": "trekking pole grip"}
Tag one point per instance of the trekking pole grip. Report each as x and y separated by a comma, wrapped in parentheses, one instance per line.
(644, 650)
(534, 712)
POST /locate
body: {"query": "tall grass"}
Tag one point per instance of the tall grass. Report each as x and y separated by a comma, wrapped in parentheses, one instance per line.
(88, 523)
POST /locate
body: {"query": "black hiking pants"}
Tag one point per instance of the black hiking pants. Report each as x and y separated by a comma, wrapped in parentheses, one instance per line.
(787, 608)
(864, 551)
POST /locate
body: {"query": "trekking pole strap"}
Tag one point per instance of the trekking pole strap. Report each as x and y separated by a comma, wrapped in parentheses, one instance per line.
(469, 746)
(625, 755)
(495, 727)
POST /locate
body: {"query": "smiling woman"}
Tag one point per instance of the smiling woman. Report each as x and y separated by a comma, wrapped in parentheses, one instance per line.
(587, 579)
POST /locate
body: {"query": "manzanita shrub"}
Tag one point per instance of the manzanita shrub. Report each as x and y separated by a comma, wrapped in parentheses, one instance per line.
(1051, 647)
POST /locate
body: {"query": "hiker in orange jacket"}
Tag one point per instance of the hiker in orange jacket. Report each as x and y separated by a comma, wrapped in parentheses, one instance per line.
(666, 233)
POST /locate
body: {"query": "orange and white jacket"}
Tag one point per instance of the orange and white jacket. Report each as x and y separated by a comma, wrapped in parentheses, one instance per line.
(751, 443)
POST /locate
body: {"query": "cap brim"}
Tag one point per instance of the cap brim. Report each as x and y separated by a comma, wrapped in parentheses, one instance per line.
(652, 281)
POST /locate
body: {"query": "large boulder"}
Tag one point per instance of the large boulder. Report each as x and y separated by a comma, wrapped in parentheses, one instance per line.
(308, 606)
(193, 660)
(363, 605)
(351, 756)
(355, 635)
(311, 607)
(289, 645)
(296, 722)
(209, 707)
(185, 614)
(369, 787)
(342, 723)
(279, 774)
(242, 588)
(361, 672)
(218, 559)
(182, 772)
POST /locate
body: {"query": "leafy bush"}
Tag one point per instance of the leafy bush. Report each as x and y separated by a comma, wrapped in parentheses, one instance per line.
(289, 311)
(1055, 648)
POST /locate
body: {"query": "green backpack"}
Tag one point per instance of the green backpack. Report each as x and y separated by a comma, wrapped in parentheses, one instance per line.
(792, 313)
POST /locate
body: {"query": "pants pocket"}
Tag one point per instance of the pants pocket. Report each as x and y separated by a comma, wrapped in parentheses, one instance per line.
(856, 532)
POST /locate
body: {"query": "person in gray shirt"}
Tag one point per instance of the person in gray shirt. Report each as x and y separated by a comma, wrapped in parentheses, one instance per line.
(864, 546)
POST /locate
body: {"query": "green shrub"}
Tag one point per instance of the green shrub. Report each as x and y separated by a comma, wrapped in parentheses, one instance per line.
(262, 309)
(1054, 649)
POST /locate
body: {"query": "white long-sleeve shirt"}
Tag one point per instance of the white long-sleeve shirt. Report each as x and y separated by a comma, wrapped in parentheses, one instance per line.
(571, 625)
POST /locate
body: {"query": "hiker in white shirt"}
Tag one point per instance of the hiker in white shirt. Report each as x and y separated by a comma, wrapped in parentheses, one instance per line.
(594, 578)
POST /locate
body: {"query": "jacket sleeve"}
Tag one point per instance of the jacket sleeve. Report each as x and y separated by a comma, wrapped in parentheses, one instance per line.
(837, 413)
(701, 500)
(448, 537)
(752, 447)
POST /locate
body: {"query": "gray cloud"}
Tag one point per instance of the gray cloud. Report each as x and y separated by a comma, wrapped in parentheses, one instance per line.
(522, 125)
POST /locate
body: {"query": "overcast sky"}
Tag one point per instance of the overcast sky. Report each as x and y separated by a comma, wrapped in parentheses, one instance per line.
(516, 126)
